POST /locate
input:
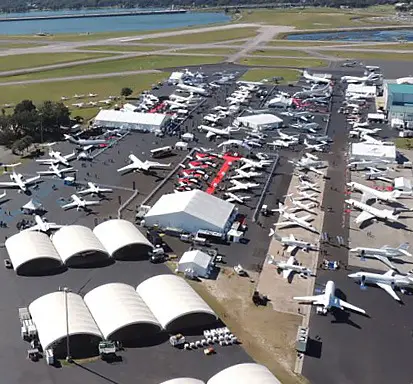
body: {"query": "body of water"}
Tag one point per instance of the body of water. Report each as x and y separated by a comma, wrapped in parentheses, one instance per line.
(376, 35)
(110, 24)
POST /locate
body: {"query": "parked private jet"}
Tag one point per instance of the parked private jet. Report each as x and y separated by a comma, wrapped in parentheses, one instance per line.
(18, 181)
(55, 170)
(138, 165)
(370, 212)
(42, 225)
(84, 142)
(79, 203)
(328, 300)
(291, 219)
(371, 193)
(57, 158)
(94, 189)
(238, 186)
(248, 163)
(240, 174)
(314, 147)
(307, 186)
(300, 206)
(293, 244)
(290, 266)
(232, 198)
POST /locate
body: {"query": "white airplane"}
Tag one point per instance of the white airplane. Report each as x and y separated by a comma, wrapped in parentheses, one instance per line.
(238, 186)
(293, 220)
(57, 158)
(80, 203)
(286, 137)
(240, 174)
(370, 212)
(55, 170)
(290, 266)
(387, 281)
(84, 142)
(293, 244)
(213, 118)
(378, 174)
(3, 195)
(192, 89)
(18, 181)
(365, 131)
(92, 94)
(307, 186)
(281, 143)
(232, 197)
(309, 162)
(371, 193)
(43, 225)
(138, 165)
(370, 140)
(384, 254)
(76, 96)
(307, 196)
(94, 190)
(308, 127)
(254, 164)
(355, 79)
(300, 206)
(316, 79)
(328, 300)
(314, 147)
(78, 105)
(212, 131)
(361, 165)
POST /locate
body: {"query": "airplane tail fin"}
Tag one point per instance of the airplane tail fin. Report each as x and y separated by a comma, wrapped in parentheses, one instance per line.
(272, 232)
(404, 246)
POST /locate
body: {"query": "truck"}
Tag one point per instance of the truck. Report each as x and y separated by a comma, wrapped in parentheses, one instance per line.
(107, 348)
(28, 328)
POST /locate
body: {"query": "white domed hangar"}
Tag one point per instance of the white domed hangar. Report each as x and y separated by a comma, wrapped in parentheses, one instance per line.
(32, 253)
(123, 240)
(183, 380)
(175, 303)
(130, 319)
(78, 246)
(49, 315)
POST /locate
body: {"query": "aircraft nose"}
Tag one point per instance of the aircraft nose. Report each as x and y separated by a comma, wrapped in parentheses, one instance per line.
(352, 275)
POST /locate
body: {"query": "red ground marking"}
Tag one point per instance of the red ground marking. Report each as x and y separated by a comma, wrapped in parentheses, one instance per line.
(222, 172)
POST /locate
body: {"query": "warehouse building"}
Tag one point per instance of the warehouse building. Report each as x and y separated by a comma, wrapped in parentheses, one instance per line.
(123, 240)
(135, 121)
(32, 253)
(398, 101)
(368, 151)
(259, 122)
(175, 303)
(78, 246)
(190, 212)
(50, 316)
(196, 263)
(130, 321)
(244, 374)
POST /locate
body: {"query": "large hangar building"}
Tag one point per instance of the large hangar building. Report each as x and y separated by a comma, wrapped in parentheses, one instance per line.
(398, 102)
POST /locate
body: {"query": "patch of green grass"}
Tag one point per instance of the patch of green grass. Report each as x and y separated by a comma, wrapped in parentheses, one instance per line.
(311, 18)
(4, 45)
(280, 52)
(125, 48)
(287, 62)
(211, 51)
(39, 59)
(299, 43)
(395, 46)
(364, 55)
(121, 65)
(404, 143)
(258, 74)
(103, 87)
(205, 37)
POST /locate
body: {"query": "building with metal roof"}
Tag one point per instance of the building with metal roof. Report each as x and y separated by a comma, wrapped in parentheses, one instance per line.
(260, 122)
(123, 240)
(183, 380)
(191, 211)
(32, 253)
(77, 245)
(175, 303)
(121, 313)
(244, 374)
(370, 151)
(196, 263)
(135, 121)
(398, 101)
(50, 314)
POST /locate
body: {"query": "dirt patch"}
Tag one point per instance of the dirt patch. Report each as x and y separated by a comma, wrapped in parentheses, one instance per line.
(267, 336)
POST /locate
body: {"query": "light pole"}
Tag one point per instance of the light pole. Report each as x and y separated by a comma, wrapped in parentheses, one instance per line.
(66, 291)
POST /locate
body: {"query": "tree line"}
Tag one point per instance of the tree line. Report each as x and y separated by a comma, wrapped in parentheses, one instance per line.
(29, 124)
(24, 5)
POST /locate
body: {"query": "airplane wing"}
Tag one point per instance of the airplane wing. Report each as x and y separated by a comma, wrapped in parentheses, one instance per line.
(34, 228)
(49, 161)
(291, 248)
(343, 304)
(69, 205)
(70, 156)
(285, 223)
(92, 202)
(230, 199)
(154, 164)
(389, 290)
(363, 217)
(306, 218)
(32, 180)
(385, 260)
(309, 299)
(366, 197)
(85, 191)
(315, 170)
(46, 172)
(287, 273)
(128, 167)
(8, 184)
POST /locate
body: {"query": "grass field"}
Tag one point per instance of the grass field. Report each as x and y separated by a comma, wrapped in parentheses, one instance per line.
(396, 46)
(203, 38)
(122, 65)
(39, 59)
(103, 87)
(404, 143)
(4, 45)
(297, 63)
(311, 18)
(125, 48)
(280, 52)
(371, 55)
(258, 74)
(212, 51)
(299, 44)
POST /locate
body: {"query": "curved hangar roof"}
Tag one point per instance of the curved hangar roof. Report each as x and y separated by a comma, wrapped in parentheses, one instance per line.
(49, 315)
(244, 374)
(31, 251)
(118, 234)
(77, 240)
(116, 306)
(183, 380)
(171, 298)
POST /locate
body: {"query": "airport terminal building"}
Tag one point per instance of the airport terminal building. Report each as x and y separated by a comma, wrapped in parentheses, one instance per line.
(398, 101)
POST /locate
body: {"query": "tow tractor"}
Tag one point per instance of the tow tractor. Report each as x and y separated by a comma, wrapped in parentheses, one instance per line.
(108, 348)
